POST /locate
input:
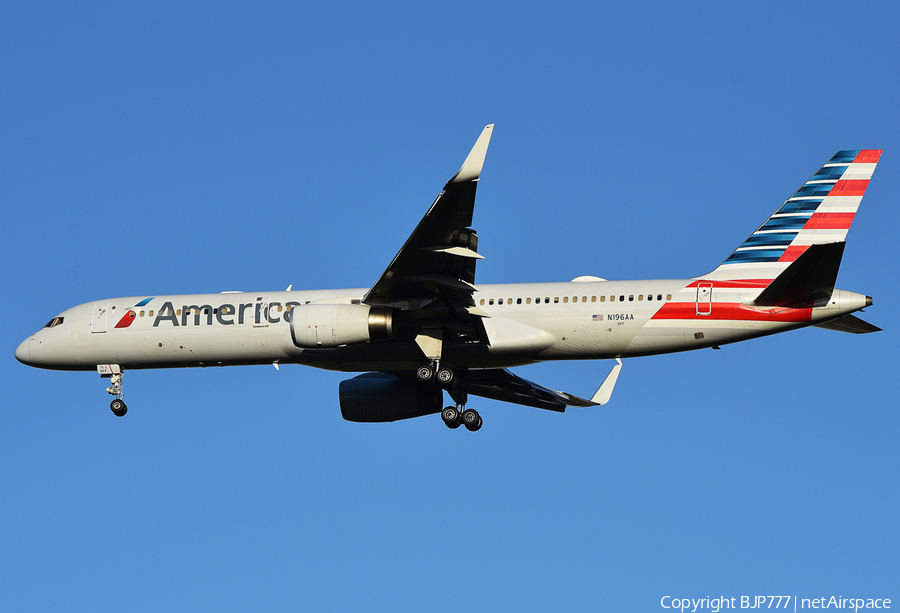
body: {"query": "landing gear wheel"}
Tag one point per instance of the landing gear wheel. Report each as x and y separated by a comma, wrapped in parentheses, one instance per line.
(450, 415)
(118, 407)
(445, 376)
(472, 420)
(425, 373)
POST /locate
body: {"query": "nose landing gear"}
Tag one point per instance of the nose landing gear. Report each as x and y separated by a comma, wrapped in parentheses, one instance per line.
(118, 407)
(114, 373)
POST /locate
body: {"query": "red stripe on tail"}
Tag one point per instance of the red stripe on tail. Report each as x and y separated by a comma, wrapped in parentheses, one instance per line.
(829, 221)
(850, 187)
(868, 156)
(792, 253)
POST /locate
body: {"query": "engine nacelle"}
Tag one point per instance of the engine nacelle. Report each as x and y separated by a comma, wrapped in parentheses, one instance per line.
(334, 325)
(380, 397)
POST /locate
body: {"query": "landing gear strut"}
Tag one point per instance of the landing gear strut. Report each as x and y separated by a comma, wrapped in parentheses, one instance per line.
(459, 415)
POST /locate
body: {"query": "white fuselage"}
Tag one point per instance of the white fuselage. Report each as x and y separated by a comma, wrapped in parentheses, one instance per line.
(528, 322)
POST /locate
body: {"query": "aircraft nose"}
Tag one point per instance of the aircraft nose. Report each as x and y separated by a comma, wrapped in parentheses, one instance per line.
(23, 351)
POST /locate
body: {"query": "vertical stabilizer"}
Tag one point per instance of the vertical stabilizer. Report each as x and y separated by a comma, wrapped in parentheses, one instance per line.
(818, 213)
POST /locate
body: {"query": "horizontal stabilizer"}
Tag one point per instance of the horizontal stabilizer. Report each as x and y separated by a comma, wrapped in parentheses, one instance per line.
(808, 279)
(849, 323)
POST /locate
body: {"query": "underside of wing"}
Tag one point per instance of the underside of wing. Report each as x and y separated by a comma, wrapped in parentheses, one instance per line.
(501, 384)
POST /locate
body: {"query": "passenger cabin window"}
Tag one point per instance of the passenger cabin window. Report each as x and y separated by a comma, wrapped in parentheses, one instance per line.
(54, 322)
(491, 301)
(482, 301)
(500, 301)
(668, 296)
(602, 298)
(518, 301)
(621, 298)
(528, 301)
(556, 300)
(612, 298)
(565, 299)
(594, 299)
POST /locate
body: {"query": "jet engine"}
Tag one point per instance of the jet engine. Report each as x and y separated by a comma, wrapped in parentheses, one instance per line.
(380, 397)
(333, 325)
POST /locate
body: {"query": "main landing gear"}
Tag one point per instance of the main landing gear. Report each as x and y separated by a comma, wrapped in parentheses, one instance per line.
(444, 375)
(454, 418)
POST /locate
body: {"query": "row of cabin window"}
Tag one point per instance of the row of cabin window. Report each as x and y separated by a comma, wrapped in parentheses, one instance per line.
(565, 299)
(225, 311)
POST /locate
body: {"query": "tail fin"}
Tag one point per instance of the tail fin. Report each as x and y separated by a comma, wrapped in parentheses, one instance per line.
(819, 213)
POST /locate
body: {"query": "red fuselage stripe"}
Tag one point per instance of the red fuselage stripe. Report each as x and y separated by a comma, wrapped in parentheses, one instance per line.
(733, 311)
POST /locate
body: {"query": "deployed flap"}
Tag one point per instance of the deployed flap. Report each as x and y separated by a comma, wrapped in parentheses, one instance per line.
(849, 323)
(501, 384)
(438, 259)
(808, 279)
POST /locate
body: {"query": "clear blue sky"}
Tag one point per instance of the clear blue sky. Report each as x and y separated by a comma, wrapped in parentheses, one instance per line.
(153, 148)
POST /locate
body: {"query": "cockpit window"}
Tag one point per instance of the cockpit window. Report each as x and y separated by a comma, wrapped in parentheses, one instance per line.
(54, 322)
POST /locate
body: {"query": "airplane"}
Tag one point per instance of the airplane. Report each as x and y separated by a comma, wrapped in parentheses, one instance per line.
(424, 327)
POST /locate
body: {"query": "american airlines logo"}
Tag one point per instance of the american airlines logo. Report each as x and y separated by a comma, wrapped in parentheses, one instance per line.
(263, 312)
(260, 313)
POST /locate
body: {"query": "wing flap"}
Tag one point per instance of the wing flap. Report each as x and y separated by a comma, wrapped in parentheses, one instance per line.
(501, 384)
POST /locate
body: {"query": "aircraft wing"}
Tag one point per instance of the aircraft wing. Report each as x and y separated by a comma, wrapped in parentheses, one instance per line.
(501, 384)
(437, 262)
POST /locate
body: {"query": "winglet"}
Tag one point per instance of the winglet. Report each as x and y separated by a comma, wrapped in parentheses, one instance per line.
(471, 168)
(604, 392)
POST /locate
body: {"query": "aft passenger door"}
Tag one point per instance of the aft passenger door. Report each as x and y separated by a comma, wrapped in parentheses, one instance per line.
(704, 298)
